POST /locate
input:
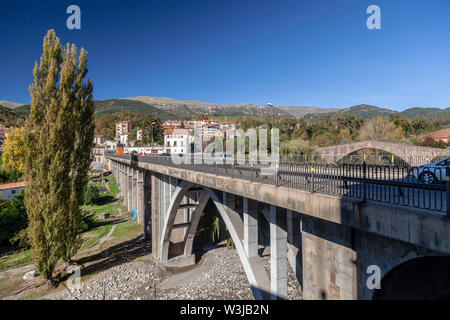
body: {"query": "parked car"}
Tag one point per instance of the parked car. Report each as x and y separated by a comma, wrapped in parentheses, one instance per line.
(165, 154)
(432, 172)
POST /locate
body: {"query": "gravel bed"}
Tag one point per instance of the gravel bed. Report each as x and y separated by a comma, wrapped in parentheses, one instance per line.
(294, 289)
(225, 278)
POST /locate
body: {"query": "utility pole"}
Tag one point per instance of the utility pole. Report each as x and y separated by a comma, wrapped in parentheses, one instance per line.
(153, 123)
(271, 106)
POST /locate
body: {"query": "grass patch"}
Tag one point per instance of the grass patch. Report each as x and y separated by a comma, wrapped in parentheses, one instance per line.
(124, 231)
(127, 230)
(92, 237)
(113, 187)
(19, 259)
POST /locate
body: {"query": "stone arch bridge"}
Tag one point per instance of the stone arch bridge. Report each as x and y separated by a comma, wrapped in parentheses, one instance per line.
(413, 155)
(330, 242)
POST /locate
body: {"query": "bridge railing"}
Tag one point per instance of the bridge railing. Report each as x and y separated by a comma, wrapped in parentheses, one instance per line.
(420, 187)
(386, 160)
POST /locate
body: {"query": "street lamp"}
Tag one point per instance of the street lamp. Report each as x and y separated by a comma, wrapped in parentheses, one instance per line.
(152, 135)
(271, 106)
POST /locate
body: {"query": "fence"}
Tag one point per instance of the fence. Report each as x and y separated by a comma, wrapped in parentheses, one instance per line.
(418, 187)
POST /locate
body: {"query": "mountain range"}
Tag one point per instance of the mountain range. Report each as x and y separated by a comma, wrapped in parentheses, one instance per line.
(168, 108)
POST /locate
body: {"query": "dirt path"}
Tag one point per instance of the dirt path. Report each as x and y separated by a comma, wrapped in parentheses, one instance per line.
(191, 275)
(12, 272)
(102, 240)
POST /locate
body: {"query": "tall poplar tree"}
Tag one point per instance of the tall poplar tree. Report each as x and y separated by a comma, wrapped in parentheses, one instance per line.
(58, 143)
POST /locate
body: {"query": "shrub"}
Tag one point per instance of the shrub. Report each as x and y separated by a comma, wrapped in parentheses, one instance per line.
(87, 221)
(91, 194)
(13, 218)
(20, 239)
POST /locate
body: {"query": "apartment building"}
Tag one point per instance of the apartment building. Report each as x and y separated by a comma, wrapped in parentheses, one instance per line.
(124, 128)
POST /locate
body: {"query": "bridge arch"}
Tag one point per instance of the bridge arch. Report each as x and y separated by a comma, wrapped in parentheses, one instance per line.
(407, 153)
(253, 267)
(420, 278)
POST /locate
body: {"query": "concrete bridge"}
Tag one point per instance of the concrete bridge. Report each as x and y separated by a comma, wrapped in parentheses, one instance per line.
(335, 245)
(408, 153)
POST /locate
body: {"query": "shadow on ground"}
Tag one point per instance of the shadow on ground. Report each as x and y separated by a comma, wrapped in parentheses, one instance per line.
(113, 256)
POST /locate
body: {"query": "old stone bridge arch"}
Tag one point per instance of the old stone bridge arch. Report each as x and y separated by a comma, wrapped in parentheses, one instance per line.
(333, 154)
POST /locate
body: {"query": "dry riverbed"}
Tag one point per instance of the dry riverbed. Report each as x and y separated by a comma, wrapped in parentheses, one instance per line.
(219, 275)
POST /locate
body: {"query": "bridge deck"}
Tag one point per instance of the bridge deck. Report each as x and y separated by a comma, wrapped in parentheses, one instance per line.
(382, 184)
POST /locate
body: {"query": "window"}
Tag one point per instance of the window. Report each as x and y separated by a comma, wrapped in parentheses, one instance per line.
(13, 191)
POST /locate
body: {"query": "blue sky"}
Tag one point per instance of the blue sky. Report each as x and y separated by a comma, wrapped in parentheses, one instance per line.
(314, 53)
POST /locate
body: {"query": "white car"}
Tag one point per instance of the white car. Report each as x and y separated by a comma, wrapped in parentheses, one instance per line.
(432, 172)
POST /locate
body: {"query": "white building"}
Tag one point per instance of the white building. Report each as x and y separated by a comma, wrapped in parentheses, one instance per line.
(9, 190)
(123, 138)
(145, 150)
(176, 141)
(110, 145)
(99, 139)
(99, 159)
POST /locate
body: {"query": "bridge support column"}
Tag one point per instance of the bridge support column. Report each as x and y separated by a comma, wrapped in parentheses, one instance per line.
(250, 228)
(124, 184)
(146, 202)
(140, 196)
(135, 173)
(294, 244)
(278, 253)
(156, 215)
(167, 195)
(130, 189)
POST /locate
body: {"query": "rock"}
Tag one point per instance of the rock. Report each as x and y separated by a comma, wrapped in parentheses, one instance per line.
(30, 275)
(103, 216)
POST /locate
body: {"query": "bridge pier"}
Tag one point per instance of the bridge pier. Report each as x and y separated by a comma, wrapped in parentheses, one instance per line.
(140, 196)
(156, 214)
(147, 204)
(250, 227)
(123, 185)
(278, 253)
(129, 181)
(294, 244)
(134, 174)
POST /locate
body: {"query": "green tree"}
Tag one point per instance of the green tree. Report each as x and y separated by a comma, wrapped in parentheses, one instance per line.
(91, 194)
(152, 130)
(13, 218)
(58, 145)
(133, 134)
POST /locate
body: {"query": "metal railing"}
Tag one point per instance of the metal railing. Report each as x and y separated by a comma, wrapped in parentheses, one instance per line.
(385, 160)
(417, 187)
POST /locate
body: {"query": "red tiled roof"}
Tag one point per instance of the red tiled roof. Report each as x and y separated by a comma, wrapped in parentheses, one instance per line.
(12, 185)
